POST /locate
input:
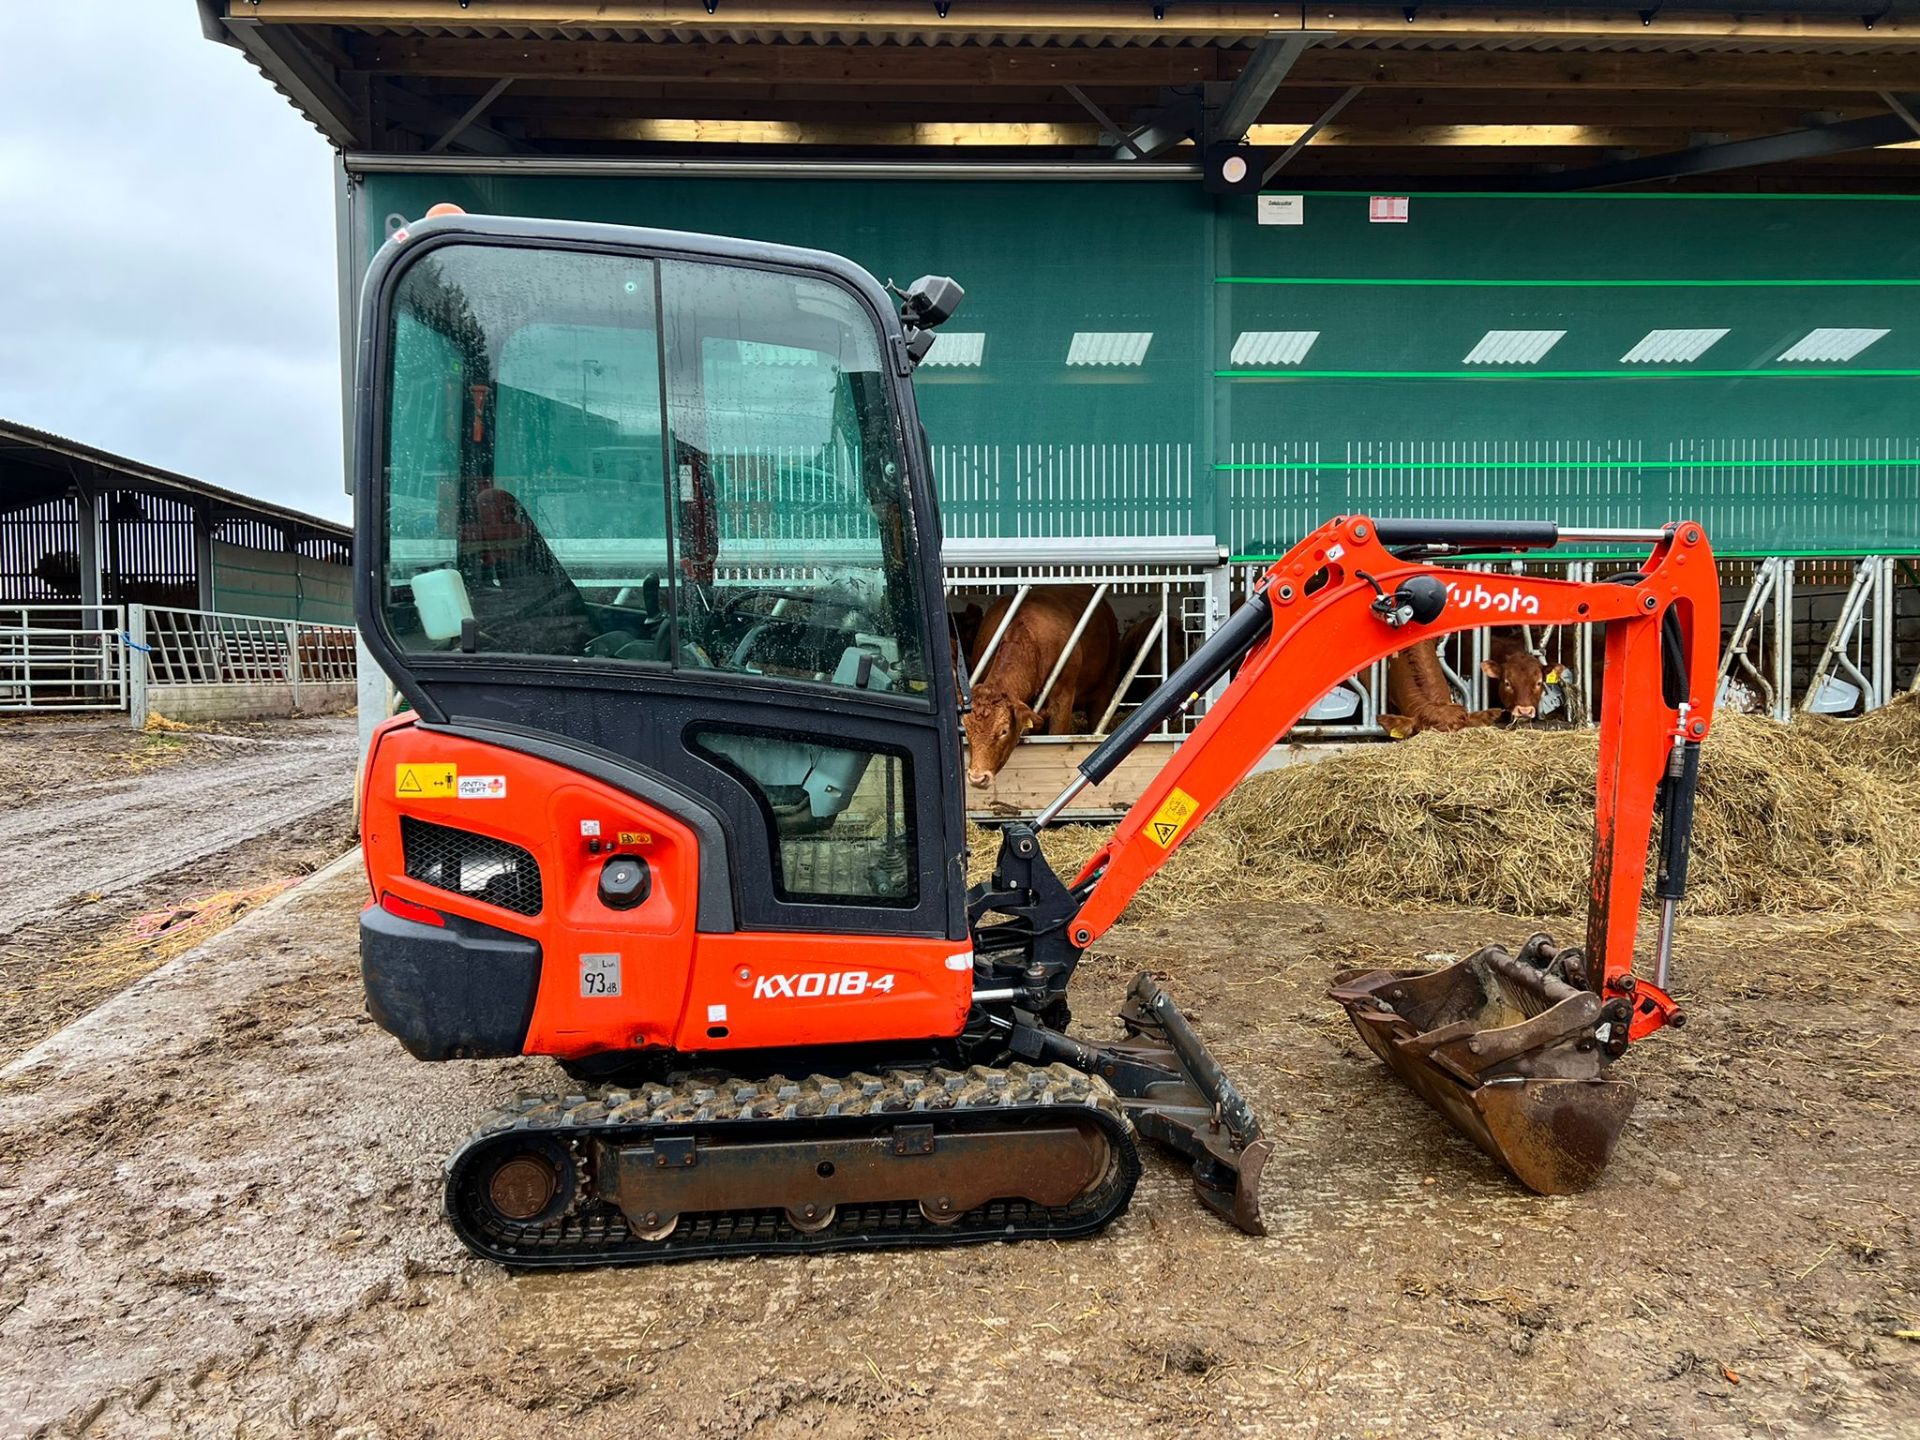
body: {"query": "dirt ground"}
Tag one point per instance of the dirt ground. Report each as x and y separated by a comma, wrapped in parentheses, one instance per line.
(126, 847)
(219, 1200)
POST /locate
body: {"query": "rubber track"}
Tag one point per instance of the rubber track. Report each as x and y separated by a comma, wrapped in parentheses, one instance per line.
(595, 1232)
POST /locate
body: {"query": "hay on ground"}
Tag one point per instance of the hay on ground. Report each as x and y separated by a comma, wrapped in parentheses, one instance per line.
(1817, 815)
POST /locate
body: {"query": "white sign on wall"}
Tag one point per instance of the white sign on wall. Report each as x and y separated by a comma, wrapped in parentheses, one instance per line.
(1282, 210)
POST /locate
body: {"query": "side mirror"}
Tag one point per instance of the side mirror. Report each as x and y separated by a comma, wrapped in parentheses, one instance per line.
(930, 301)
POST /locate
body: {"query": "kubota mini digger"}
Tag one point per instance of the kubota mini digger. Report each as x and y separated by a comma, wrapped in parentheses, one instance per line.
(648, 541)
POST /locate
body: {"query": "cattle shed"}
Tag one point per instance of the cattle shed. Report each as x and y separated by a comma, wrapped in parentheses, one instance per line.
(86, 528)
(1604, 261)
(1233, 268)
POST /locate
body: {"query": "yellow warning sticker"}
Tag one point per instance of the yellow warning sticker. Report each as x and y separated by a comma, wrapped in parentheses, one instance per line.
(1171, 818)
(635, 837)
(425, 782)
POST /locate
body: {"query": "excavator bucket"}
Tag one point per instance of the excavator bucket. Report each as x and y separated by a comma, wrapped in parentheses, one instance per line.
(1512, 1049)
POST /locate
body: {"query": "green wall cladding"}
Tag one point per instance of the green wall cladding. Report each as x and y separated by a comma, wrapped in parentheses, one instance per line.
(1596, 359)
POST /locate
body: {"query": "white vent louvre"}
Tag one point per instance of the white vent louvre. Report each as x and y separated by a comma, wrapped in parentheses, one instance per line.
(1513, 347)
(1273, 347)
(1109, 347)
(1672, 347)
(1831, 344)
(956, 349)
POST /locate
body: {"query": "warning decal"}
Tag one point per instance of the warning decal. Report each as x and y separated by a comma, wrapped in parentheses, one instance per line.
(425, 782)
(1171, 818)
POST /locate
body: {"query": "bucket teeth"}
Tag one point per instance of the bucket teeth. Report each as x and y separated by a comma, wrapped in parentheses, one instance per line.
(1508, 1050)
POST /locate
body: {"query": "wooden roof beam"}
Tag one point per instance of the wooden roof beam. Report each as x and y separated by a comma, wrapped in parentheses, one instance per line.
(1051, 67)
(1043, 66)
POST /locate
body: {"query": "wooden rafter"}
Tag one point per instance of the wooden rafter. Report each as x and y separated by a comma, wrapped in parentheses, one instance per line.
(1051, 67)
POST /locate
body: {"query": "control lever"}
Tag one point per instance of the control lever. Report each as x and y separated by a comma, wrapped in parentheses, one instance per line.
(1419, 600)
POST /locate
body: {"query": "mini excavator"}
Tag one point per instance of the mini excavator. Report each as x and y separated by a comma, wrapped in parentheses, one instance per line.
(650, 548)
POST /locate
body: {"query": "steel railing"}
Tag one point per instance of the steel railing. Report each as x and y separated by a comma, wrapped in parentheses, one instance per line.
(201, 648)
(62, 657)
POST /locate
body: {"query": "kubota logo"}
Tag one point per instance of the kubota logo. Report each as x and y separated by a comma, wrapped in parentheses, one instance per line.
(1510, 601)
(811, 984)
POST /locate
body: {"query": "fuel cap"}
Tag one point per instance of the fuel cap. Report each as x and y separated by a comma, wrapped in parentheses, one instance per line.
(625, 881)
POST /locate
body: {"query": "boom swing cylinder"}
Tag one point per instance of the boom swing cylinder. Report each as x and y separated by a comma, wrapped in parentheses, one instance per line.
(1513, 1048)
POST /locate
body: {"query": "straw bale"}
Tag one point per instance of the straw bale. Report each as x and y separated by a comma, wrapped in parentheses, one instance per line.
(1819, 815)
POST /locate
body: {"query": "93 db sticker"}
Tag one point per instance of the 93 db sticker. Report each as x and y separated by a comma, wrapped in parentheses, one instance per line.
(1171, 818)
(599, 975)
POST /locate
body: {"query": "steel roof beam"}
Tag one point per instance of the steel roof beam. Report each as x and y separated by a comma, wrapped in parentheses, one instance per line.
(1808, 144)
(425, 117)
(473, 113)
(1281, 160)
(1271, 61)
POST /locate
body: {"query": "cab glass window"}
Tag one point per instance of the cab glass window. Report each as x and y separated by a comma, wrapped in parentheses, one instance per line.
(835, 811)
(569, 476)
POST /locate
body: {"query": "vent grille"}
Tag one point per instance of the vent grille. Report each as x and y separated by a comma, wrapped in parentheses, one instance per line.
(463, 863)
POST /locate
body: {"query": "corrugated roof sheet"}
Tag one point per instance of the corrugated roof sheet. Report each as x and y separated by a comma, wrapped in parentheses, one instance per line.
(956, 349)
(1831, 344)
(1672, 347)
(1109, 347)
(1513, 347)
(1837, 42)
(1273, 347)
(18, 437)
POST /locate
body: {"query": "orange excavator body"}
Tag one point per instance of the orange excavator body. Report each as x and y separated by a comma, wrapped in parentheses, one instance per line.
(699, 833)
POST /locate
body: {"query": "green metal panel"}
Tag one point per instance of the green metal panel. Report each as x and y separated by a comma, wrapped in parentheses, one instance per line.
(1383, 410)
(1024, 443)
(281, 585)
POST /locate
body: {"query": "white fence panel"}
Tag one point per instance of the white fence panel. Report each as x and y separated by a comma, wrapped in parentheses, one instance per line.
(62, 657)
(206, 664)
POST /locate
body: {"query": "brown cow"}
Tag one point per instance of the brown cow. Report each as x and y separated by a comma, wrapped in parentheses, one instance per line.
(1003, 702)
(1518, 673)
(1522, 676)
(1417, 689)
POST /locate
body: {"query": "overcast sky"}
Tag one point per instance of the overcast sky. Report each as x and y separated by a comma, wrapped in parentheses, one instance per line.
(167, 285)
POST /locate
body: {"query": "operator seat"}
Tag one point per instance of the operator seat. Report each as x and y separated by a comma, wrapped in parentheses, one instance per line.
(523, 600)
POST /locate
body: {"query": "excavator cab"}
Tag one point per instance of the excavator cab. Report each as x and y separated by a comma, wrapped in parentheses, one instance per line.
(667, 500)
(648, 543)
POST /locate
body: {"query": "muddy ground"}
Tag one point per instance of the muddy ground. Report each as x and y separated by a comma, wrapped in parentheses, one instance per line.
(124, 847)
(219, 1198)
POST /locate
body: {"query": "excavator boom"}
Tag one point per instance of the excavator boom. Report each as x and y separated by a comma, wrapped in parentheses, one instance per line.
(1512, 1048)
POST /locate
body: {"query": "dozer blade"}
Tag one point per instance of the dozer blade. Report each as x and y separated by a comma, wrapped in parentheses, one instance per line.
(1507, 1050)
(1175, 1093)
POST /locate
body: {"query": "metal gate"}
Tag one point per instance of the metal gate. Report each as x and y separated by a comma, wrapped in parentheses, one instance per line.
(63, 657)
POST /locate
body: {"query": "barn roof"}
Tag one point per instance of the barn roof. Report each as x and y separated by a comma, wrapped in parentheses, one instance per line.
(39, 465)
(1821, 93)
